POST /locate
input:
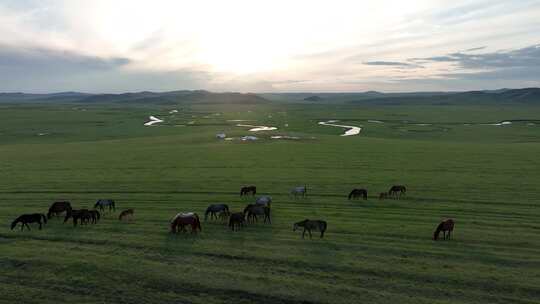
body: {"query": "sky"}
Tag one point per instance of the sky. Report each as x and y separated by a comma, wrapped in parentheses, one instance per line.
(103, 46)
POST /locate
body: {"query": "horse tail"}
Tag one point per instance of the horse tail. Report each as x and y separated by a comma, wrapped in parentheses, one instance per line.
(438, 231)
(351, 194)
(323, 228)
(199, 224)
(305, 189)
(113, 205)
(241, 191)
(365, 194)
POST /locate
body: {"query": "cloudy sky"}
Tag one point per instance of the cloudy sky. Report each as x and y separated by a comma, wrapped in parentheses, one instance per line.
(268, 46)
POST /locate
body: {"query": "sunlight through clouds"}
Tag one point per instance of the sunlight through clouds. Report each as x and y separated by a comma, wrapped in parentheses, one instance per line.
(257, 45)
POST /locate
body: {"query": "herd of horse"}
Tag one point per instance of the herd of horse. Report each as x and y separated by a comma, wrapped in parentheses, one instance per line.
(236, 220)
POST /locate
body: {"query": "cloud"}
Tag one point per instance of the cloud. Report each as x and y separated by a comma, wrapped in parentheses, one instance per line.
(524, 57)
(390, 63)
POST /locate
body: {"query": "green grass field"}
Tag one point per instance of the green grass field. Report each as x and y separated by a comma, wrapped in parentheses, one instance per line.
(454, 163)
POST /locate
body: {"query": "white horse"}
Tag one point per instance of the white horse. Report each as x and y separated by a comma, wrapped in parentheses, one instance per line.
(182, 214)
(264, 201)
(301, 190)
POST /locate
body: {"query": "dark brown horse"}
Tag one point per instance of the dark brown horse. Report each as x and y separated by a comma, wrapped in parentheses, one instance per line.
(181, 220)
(444, 226)
(81, 215)
(29, 218)
(94, 216)
(356, 193)
(310, 225)
(125, 213)
(253, 210)
(397, 191)
(247, 190)
(236, 221)
(59, 207)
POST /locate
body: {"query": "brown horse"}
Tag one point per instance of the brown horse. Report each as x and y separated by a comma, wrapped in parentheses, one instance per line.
(356, 193)
(383, 195)
(236, 221)
(181, 220)
(29, 218)
(397, 191)
(444, 226)
(247, 190)
(59, 207)
(128, 212)
(82, 215)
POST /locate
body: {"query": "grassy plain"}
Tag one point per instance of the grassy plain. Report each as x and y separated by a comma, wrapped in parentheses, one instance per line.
(453, 161)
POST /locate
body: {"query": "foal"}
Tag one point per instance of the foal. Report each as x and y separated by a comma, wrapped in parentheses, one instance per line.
(125, 213)
(356, 193)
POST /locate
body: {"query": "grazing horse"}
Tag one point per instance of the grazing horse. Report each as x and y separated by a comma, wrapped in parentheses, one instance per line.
(181, 220)
(236, 221)
(94, 216)
(81, 215)
(252, 210)
(309, 225)
(59, 207)
(397, 191)
(444, 226)
(356, 193)
(247, 190)
(102, 203)
(127, 212)
(216, 208)
(302, 190)
(29, 218)
(383, 195)
(264, 201)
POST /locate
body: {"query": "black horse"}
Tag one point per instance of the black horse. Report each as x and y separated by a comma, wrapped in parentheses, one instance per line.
(29, 218)
(59, 207)
(82, 215)
(247, 190)
(216, 208)
(102, 203)
(236, 220)
(253, 210)
(397, 191)
(356, 193)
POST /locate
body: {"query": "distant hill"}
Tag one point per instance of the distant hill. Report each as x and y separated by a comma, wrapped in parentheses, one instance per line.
(501, 96)
(313, 98)
(172, 97)
(504, 96)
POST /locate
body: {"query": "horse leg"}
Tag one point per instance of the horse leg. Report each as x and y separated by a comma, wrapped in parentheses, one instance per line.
(27, 226)
(310, 236)
(304, 233)
(39, 225)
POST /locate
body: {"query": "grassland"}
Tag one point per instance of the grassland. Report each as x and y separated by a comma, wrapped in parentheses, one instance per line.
(453, 161)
